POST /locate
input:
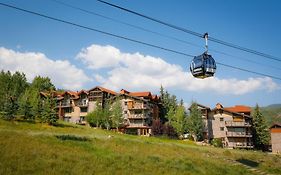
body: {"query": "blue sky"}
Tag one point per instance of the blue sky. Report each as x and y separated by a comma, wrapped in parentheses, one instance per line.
(76, 58)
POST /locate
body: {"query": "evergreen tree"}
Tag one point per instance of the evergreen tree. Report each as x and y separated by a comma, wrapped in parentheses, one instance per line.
(260, 130)
(117, 116)
(195, 123)
(25, 107)
(10, 109)
(48, 114)
(11, 88)
(169, 104)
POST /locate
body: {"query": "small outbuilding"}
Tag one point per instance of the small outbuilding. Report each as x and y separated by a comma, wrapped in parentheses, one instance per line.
(275, 132)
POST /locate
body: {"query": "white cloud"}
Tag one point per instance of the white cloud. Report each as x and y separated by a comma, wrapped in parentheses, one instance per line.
(62, 73)
(137, 71)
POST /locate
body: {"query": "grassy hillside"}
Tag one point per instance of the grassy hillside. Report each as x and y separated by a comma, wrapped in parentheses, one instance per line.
(68, 149)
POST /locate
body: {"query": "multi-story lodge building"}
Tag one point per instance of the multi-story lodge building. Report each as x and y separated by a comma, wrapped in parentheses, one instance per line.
(230, 124)
(139, 108)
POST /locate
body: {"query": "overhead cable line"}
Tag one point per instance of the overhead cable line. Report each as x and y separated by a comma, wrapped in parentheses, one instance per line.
(156, 33)
(128, 39)
(196, 33)
(122, 22)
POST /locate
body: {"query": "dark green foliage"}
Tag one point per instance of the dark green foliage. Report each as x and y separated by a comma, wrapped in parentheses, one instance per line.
(42, 84)
(11, 88)
(19, 97)
(195, 123)
(72, 137)
(25, 107)
(48, 114)
(260, 130)
(169, 104)
(10, 109)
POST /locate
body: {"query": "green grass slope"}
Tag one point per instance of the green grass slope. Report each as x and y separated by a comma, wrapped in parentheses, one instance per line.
(41, 149)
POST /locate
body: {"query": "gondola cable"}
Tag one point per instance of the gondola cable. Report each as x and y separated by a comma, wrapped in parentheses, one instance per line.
(128, 39)
(157, 33)
(195, 33)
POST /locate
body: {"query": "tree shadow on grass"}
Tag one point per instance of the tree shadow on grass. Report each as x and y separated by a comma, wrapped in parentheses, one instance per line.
(247, 162)
(64, 125)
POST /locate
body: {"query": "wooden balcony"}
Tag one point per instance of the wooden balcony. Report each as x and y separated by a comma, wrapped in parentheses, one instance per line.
(242, 145)
(64, 104)
(237, 124)
(82, 104)
(137, 116)
(238, 134)
(138, 106)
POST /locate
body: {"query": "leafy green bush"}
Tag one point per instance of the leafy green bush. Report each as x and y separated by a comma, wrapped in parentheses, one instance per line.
(216, 142)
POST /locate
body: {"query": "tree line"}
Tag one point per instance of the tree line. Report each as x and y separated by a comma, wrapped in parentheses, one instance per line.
(174, 120)
(21, 99)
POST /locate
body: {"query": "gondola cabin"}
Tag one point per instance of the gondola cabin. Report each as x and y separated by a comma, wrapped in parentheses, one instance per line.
(203, 66)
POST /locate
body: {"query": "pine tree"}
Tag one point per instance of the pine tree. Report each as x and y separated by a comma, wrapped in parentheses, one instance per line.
(260, 130)
(25, 107)
(48, 114)
(195, 123)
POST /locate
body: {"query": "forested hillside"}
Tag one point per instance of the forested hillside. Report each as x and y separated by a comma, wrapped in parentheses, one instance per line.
(272, 113)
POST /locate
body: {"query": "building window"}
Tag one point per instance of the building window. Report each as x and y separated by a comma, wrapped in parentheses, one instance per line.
(221, 119)
(125, 103)
(222, 128)
(84, 109)
(125, 112)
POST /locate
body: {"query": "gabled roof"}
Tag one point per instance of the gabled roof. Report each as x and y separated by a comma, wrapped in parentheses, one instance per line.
(140, 94)
(201, 106)
(221, 108)
(155, 97)
(83, 91)
(104, 90)
(275, 125)
(123, 91)
(135, 97)
(239, 109)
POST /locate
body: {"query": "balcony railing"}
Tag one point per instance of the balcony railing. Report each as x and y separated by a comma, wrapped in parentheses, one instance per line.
(80, 103)
(237, 124)
(137, 125)
(238, 134)
(137, 116)
(138, 106)
(65, 104)
(242, 145)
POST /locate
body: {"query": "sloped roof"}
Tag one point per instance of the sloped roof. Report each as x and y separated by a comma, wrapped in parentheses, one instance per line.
(234, 110)
(140, 94)
(276, 125)
(83, 91)
(104, 90)
(239, 109)
(73, 94)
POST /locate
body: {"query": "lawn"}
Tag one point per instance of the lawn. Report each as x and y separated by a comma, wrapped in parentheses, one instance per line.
(27, 148)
